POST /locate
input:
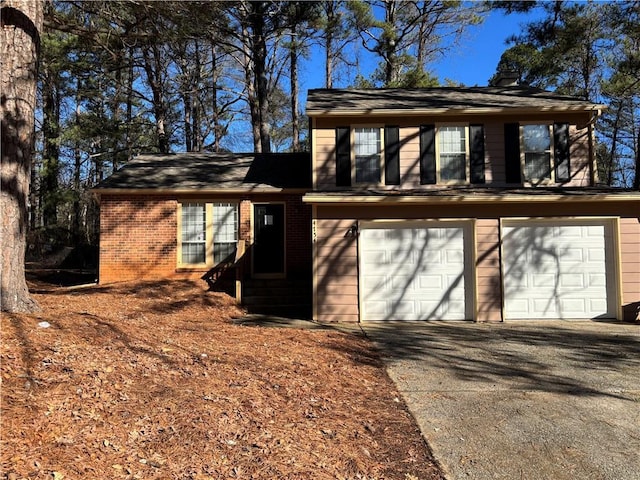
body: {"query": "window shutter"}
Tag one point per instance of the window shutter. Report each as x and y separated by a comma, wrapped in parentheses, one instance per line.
(427, 154)
(561, 151)
(343, 157)
(476, 151)
(392, 155)
(512, 152)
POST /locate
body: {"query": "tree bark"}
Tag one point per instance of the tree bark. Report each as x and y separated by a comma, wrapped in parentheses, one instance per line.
(51, 139)
(295, 118)
(330, 13)
(20, 45)
(152, 67)
(249, 73)
(259, 56)
(636, 178)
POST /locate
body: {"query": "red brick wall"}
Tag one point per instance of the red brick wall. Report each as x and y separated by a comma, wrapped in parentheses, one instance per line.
(137, 237)
(298, 235)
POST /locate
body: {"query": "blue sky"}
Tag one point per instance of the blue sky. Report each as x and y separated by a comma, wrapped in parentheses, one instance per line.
(476, 60)
(473, 62)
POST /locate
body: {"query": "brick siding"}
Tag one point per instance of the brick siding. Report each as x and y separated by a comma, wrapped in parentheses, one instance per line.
(138, 236)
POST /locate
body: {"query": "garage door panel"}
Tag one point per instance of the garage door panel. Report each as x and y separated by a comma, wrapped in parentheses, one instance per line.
(454, 257)
(571, 281)
(597, 305)
(373, 283)
(517, 307)
(595, 255)
(557, 271)
(597, 280)
(435, 282)
(422, 278)
(377, 308)
(400, 282)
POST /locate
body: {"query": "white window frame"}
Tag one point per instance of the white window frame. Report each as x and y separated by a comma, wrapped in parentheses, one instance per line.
(380, 129)
(209, 231)
(523, 152)
(467, 157)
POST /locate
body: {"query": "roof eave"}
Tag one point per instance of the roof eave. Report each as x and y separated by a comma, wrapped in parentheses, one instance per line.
(455, 111)
(466, 199)
(195, 191)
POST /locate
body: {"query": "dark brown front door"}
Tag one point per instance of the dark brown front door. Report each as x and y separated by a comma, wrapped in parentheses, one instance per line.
(268, 245)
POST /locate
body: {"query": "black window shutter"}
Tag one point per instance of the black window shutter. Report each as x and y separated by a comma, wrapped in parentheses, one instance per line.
(343, 157)
(561, 151)
(512, 152)
(392, 155)
(427, 154)
(476, 151)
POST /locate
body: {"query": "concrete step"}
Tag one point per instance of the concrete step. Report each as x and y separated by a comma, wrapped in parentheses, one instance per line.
(285, 311)
(277, 299)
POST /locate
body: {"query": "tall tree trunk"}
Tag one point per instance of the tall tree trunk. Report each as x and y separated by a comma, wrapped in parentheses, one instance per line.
(250, 78)
(129, 118)
(51, 155)
(188, 125)
(614, 145)
(295, 119)
(152, 67)
(197, 104)
(332, 19)
(259, 56)
(77, 155)
(19, 45)
(636, 178)
(217, 130)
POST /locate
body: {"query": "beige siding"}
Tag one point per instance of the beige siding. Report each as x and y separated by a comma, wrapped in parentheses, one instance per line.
(630, 254)
(410, 157)
(324, 153)
(489, 284)
(579, 157)
(336, 272)
(324, 160)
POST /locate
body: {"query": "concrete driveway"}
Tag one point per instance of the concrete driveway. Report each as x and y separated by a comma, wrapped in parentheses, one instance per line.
(548, 400)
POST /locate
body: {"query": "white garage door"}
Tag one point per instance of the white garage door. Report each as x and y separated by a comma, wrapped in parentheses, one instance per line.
(414, 272)
(554, 270)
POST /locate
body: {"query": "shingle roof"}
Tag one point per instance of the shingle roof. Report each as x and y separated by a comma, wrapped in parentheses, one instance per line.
(439, 100)
(213, 171)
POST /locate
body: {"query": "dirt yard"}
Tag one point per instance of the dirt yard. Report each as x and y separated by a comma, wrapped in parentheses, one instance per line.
(153, 380)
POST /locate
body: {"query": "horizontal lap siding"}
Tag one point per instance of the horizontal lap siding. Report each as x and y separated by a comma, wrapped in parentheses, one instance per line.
(630, 254)
(579, 157)
(495, 172)
(489, 284)
(336, 272)
(410, 157)
(325, 159)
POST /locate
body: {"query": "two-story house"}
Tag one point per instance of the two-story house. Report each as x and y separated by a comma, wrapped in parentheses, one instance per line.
(427, 204)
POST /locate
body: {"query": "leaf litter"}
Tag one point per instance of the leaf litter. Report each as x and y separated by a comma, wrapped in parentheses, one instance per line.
(153, 380)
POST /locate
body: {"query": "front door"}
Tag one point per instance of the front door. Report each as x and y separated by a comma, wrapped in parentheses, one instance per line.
(268, 244)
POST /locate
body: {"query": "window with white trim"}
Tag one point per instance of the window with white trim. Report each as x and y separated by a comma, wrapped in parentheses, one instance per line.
(194, 233)
(207, 232)
(452, 153)
(225, 230)
(368, 154)
(536, 150)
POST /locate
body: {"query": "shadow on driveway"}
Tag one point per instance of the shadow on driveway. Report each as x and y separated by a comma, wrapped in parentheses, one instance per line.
(521, 400)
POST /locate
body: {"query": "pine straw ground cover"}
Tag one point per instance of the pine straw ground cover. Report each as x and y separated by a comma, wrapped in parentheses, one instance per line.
(153, 380)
